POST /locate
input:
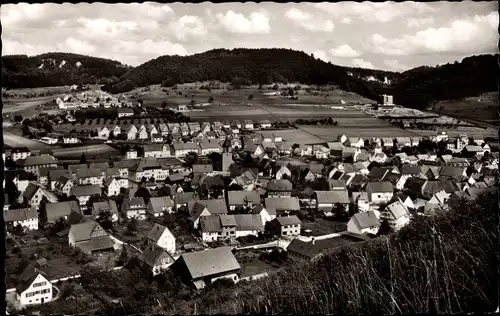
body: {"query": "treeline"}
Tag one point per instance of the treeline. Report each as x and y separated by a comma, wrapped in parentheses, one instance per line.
(20, 71)
(244, 66)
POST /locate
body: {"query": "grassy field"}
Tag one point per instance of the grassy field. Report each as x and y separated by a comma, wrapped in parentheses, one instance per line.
(483, 108)
(322, 227)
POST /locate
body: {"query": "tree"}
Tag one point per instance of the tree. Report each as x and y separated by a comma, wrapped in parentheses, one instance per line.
(210, 99)
(18, 118)
(132, 226)
(291, 92)
(83, 159)
(275, 87)
(250, 97)
(42, 211)
(124, 257)
(385, 228)
(192, 103)
(165, 191)
(144, 193)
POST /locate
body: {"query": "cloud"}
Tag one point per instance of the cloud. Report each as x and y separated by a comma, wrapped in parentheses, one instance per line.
(77, 46)
(358, 62)
(256, 23)
(346, 20)
(373, 12)
(187, 26)
(395, 64)
(99, 28)
(344, 50)
(20, 13)
(469, 35)
(308, 21)
(321, 55)
(419, 22)
(148, 46)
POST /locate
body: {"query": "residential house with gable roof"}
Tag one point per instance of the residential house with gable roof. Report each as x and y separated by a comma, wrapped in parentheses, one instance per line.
(159, 205)
(379, 192)
(34, 194)
(61, 210)
(364, 223)
(162, 237)
(248, 199)
(90, 238)
(266, 214)
(104, 207)
(34, 288)
(134, 207)
(27, 218)
(89, 176)
(204, 267)
(157, 259)
(286, 225)
(396, 214)
(84, 192)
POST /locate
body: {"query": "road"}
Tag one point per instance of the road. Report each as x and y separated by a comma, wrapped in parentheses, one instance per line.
(90, 150)
(20, 105)
(13, 140)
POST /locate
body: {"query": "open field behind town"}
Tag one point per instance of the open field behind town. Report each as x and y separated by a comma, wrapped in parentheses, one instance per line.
(482, 108)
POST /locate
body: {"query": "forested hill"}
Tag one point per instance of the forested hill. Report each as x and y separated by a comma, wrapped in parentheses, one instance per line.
(250, 66)
(58, 69)
(418, 87)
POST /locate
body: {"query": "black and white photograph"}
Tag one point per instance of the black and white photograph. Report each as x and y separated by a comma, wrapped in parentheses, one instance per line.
(250, 158)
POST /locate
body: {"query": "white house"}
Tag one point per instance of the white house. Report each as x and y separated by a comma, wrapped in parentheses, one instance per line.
(34, 288)
(20, 153)
(134, 208)
(282, 172)
(25, 217)
(162, 237)
(266, 214)
(356, 142)
(380, 192)
(396, 214)
(103, 133)
(71, 140)
(143, 133)
(364, 223)
(132, 133)
(131, 154)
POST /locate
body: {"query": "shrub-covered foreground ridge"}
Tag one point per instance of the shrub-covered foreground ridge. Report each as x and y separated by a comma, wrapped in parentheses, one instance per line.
(441, 264)
(447, 263)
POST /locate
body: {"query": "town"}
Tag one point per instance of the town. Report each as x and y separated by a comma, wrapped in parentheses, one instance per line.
(216, 200)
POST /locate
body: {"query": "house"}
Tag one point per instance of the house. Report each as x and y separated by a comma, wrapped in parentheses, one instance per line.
(90, 238)
(361, 167)
(131, 154)
(156, 258)
(103, 133)
(181, 199)
(63, 185)
(116, 130)
(134, 208)
(33, 163)
(396, 214)
(469, 150)
(242, 199)
(132, 133)
(27, 218)
(266, 214)
(183, 149)
(248, 224)
(34, 288)
(279, 188)
(429, 188)
(478, 140)
(157, 150)
(61, 210)
(403, 142)
(147, 168)
(84, 192)
(199, 208)
(282, 204)
(204, 267)
(387, 142)
(286, 225)
(70, 140)
(379, 192)
(265, 124)
(113, 186)
(159, 205)
(211, 229)
(364, 223)
(326, 200)
(208, 147)
(248, 125)
(315, 249)
(89, 176)
(255, 150)
(283, 172)
(34, 194)
(360, 201)
(161, 236)
(125, 112)
(321, 152)
(202, 168)
(20, 153)
(105, 207)
(437, 201)
(342, 139)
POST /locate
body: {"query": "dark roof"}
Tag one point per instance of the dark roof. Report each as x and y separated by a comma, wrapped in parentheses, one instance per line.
(210, 262)
(61, 209)
(28, 276)
(82, 231)
(210, 224)
(248, 222)
(88, 173)
(31, 190)
(110, 206)
(279, 185)
(433, 187)
(336, 196)
(18, 215)
(205, 168)
(378, 173)
(283, 203)
(183, 198)
(410, 169)
(288, 220)
(96, 244)
(37, 160)
(241, 197)
(451, 172)
(384, 187)
(153, 253)
(156, 232)
(366, 219)
(85, 190)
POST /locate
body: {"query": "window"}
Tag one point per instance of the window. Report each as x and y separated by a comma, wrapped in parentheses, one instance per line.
(39, 284)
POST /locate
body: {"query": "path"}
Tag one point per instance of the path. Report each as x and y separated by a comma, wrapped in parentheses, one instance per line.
(14, 140)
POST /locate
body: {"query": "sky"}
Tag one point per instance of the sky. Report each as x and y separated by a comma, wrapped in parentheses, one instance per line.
(387, 35)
